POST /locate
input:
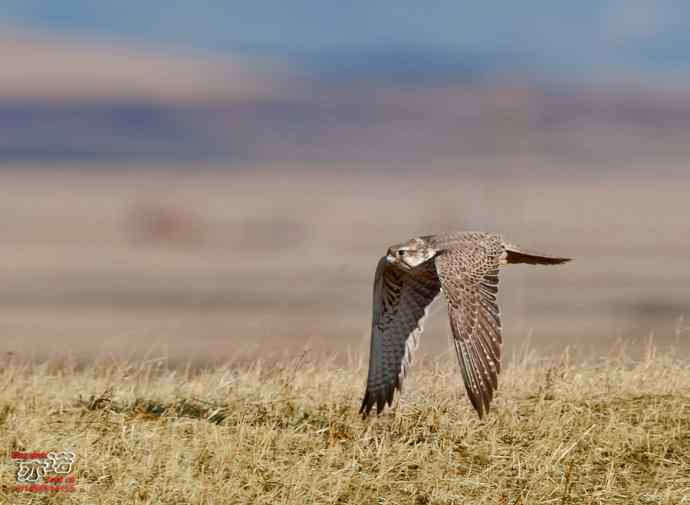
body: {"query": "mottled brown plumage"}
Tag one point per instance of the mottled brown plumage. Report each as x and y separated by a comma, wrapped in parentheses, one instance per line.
(462, 265)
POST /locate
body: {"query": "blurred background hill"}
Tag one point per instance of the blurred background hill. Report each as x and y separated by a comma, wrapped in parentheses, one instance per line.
(213, 180)
(75, 100)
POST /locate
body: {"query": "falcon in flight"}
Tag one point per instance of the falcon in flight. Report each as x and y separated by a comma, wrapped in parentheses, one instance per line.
(462, 265)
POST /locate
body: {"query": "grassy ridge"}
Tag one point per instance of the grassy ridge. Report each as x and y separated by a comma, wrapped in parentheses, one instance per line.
(609, 432)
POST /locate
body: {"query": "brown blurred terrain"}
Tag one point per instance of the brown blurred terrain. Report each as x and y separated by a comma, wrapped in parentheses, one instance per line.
(200, 209)
(214, 265)
(56, 69)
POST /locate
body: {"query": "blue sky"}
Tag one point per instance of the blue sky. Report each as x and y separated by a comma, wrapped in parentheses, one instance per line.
(586, 37)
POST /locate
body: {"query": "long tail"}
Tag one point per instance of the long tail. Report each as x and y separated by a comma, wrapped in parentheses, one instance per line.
(516, 255)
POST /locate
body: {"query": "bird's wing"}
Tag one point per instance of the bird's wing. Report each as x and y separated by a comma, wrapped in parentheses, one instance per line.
(401, 300)
(469, 280)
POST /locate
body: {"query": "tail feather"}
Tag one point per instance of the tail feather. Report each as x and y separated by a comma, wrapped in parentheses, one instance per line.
(516, 255)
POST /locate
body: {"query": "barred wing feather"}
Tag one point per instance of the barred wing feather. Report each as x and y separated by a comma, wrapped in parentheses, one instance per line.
(401, 301)
(469, 278)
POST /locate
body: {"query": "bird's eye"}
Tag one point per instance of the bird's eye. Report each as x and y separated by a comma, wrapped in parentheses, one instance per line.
(401, 252)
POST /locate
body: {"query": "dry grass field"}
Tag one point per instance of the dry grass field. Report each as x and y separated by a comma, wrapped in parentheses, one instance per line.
(600, 432)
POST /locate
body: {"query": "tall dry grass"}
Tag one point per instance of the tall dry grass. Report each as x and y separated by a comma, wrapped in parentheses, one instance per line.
(606, 431)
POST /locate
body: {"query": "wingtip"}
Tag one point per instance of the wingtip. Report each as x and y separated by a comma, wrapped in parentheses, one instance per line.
(380, 399)
(367, 405)
(481, 410)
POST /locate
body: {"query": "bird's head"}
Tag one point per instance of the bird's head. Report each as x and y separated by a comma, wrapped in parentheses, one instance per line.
(411, 253)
